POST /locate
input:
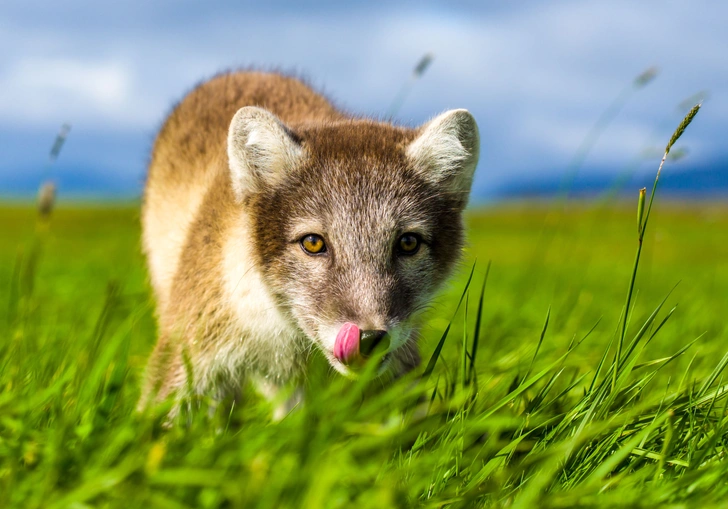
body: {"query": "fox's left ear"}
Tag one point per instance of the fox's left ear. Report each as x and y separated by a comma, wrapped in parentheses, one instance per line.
(446, 151)
(261, 150)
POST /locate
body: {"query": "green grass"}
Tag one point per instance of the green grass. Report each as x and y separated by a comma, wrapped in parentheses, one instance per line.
(536, 419)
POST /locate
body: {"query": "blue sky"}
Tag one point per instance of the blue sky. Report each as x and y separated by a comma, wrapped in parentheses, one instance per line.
(535, 74)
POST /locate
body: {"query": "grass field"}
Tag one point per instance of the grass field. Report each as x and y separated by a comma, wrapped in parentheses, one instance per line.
(537, 417)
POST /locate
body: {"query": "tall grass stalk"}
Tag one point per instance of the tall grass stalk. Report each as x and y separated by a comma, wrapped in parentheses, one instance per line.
(642, 227)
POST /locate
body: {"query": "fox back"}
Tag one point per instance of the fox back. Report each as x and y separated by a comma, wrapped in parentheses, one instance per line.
(274, 224)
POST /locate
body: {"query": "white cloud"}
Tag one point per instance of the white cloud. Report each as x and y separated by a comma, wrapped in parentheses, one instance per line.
(37, 90)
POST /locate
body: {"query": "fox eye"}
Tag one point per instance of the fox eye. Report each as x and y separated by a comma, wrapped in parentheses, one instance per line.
(313, 244)
(408, 244)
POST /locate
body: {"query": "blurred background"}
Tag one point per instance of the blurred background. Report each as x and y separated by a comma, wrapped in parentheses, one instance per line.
(568, 95)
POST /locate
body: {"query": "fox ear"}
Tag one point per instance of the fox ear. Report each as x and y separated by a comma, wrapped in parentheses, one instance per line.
(261, 149)
(446, 151)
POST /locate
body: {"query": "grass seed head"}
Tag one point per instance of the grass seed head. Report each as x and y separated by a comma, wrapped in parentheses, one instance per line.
(683, 125)
(46, 199)
(646, 76)
(423, 64)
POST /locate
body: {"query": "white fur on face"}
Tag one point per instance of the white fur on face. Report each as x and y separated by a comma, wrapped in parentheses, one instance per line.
(267, 340)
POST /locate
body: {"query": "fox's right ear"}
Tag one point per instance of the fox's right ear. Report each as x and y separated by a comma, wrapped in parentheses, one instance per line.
(261, 150)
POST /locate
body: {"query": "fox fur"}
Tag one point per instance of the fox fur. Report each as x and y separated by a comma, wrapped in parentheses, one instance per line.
(244, 167)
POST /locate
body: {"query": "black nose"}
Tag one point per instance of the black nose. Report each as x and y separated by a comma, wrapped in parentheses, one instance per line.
(370, 339)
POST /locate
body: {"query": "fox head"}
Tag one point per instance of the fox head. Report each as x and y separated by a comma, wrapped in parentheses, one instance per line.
(355, 223)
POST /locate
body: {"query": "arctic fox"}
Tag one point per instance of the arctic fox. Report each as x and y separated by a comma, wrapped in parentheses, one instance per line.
(274, 223)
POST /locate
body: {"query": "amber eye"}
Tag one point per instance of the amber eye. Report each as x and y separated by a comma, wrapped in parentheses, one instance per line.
(409, 244)
(313, 244)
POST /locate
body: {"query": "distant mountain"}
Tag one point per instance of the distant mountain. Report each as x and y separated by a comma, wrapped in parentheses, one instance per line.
(709, 181)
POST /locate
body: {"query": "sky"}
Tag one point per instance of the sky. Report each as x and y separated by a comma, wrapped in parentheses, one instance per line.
(536, 76)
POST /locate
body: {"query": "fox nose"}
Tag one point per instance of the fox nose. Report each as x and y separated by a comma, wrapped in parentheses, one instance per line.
(370, 339)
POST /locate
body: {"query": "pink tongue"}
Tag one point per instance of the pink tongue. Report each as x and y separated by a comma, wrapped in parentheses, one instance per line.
(346, 347)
